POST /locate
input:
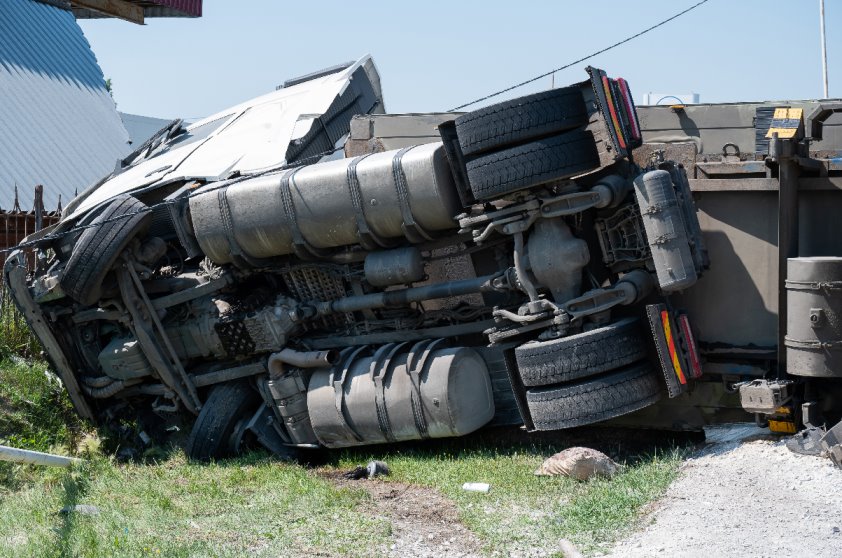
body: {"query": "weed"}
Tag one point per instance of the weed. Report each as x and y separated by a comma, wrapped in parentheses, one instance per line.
(36, 411)
(16, 339)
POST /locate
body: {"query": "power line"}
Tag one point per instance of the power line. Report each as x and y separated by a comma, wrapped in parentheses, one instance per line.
(551, 72)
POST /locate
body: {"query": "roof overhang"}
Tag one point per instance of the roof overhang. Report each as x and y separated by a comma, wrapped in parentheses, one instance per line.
(134, 11)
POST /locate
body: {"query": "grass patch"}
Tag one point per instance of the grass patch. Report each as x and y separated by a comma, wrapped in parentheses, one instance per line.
(522, 511)
(35, 414)
(258, 506)
(35, 411)
(252, 505)
(15, 336)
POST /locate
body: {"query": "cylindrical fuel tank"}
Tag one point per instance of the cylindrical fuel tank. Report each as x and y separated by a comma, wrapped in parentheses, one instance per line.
(665, 230)
(370, 199)
(401, 392)
(814, 317)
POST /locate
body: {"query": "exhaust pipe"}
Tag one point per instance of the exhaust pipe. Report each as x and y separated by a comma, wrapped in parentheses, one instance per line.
(300, 359)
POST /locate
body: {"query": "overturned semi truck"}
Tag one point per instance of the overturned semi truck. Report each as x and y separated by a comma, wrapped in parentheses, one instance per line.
(280, 274)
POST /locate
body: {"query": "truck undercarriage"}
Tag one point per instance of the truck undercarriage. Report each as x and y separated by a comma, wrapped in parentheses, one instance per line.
(520, 268)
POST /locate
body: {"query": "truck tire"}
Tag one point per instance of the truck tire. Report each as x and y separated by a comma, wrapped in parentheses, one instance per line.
(594, 399)
(521, 120)
(542, 363)
(98, 247)
(501, 172)
(228, 408)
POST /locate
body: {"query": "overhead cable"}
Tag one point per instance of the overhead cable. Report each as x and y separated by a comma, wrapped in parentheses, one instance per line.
(551, 72)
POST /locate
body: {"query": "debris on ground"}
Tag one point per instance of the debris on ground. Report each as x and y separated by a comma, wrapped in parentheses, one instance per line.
(377, 468)
(476, 486)
(372, 470)
(579, 463)
(807, 442)
(832, 443)
(82, 509)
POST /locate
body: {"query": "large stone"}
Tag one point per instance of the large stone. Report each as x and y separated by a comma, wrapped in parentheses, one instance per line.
(579, 463)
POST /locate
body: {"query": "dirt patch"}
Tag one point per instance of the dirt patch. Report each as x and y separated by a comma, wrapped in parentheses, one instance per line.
(424, 522)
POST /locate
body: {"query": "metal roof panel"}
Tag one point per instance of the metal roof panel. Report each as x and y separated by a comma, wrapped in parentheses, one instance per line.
(60, 125)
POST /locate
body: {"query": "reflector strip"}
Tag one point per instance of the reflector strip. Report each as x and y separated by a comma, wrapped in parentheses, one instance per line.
(695, 364)
(607, 87)
(676, 363)
(624, 89)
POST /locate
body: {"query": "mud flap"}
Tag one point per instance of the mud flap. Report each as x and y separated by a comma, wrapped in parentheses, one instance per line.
(678, 352)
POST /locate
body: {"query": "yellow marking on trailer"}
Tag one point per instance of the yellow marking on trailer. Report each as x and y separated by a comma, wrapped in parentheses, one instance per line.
(787, 123)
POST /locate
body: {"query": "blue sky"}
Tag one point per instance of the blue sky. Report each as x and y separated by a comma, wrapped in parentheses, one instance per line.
(434, 55)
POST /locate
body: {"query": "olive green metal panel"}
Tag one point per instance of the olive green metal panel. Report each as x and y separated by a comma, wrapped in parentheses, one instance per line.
(735, 301)
(713, 125)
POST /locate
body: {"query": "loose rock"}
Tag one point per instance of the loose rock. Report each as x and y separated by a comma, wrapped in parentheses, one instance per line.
(579, 463)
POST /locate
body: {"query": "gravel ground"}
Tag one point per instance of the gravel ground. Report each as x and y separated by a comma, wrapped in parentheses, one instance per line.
(750, 498)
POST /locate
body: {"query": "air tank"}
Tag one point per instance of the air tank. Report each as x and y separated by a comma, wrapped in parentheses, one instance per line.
(665, 231)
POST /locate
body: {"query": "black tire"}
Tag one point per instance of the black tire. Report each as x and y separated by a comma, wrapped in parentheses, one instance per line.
(595, 399)
(542, 363)
(517, 168)
(98, 247)
(227, 409)
(521, 120)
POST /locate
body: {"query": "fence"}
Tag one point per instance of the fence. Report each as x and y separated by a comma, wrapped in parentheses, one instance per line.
(15, 225)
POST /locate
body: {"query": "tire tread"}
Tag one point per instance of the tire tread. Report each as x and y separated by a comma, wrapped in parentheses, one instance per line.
(521, 120)
(578, 356)
(595, 399)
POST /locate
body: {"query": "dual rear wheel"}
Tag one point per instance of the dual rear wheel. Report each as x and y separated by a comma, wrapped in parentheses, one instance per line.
(526, 142)
(588, 377)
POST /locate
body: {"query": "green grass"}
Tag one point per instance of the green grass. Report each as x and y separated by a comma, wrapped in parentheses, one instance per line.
(253, 506)
(15, 336)
(522, 511)
(35, 412)
(258, 506)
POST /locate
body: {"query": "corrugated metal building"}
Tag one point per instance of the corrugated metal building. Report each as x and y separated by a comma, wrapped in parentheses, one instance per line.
(60, 127)
(58, 124)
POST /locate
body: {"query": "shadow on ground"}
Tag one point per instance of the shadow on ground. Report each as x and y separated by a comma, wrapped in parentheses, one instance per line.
(621, 444)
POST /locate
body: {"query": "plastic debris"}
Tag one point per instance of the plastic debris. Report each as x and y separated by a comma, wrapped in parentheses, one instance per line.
(376, 469)
(476, 486)
(83, 509)
(579, 463)
(370, 471)
(807, 442)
